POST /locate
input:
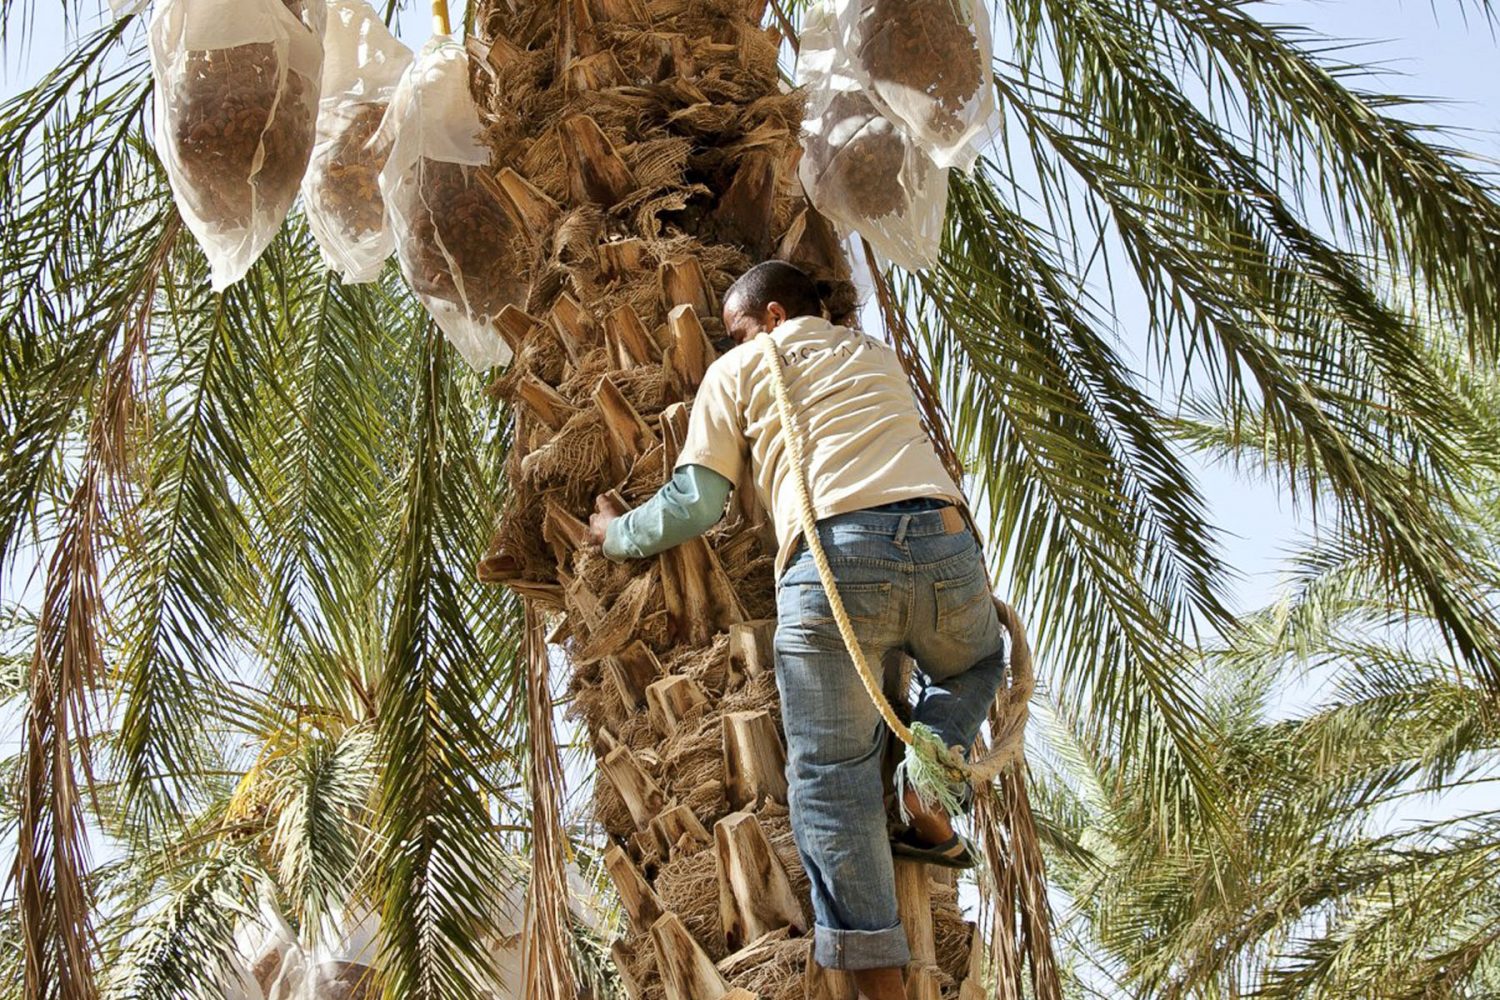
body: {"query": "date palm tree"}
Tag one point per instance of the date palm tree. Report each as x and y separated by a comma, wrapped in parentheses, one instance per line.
(239, 532)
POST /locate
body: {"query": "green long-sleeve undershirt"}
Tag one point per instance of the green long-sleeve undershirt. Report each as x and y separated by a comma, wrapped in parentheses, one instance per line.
(690, 503)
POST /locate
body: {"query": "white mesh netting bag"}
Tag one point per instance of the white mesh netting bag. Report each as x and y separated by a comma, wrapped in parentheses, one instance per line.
(267, 963)
(454, 241)
(344, 961)
(859, 168)
(926, 65)
(236, 104)
(362, 63)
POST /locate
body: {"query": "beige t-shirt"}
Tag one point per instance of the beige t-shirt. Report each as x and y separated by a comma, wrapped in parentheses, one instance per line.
(863, 440)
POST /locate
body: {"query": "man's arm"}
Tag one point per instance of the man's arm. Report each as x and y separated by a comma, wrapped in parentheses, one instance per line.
(690, 503)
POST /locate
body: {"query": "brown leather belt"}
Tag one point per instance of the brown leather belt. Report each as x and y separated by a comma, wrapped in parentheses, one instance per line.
(953, 519)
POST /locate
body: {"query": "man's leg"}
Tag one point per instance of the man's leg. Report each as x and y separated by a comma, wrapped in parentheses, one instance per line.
(880, 984)
(962, 659)
(834, 742)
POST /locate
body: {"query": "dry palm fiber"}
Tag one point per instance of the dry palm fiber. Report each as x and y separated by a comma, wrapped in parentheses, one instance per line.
(659, 163)
(644, 388)
(575, 463)
(688, 885)
(548, 968)
(757, 693)
(777, 824)
(519, 535)
(604, 577)
(777, 970)
(755, 582)
(694, 754)
(707, 802)
(649, 215)
(706, 119)
(641, 965)
(707, 665)
(610, 811)
(592, 702)
(618, 627)
(638, 733)
(645, 478)
(655, 631)
(951, 933)
(540, 356)
(575, 238)
(579, 384)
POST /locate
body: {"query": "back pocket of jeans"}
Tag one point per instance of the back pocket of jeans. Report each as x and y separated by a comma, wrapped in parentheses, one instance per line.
(965, 606)
(865, 603)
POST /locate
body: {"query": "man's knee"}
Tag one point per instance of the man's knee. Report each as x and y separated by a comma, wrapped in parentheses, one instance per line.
(830, 747)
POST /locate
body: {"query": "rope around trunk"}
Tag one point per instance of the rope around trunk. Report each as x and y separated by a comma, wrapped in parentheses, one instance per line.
(930, 768)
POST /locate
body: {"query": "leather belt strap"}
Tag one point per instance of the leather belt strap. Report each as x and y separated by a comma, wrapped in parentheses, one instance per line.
(953, 520)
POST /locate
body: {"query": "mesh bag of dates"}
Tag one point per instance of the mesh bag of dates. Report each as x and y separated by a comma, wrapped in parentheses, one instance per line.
(926, 65)
(362, 63)
(859, 168)
(236, 86)
(454, 240)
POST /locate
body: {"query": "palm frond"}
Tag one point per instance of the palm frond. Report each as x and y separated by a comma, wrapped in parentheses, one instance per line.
(1100, 529)
(440, 868)
(180, 636)
(187, 949)
(1273, 318)
(69, 152)
(321, 802)
(1444, 928)
(325, 523)
(1385, 183)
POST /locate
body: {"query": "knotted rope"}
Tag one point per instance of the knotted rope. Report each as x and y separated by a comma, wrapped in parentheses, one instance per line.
(929, 768)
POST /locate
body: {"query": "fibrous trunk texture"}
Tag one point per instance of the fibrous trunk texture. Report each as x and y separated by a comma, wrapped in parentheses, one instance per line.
(645, 155)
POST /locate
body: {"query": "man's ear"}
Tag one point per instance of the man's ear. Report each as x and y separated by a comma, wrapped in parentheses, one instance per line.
(775, 314)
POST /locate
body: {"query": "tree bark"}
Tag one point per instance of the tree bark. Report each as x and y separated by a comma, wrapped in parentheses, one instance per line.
(754, 761)
(686, 972)
(755, 895)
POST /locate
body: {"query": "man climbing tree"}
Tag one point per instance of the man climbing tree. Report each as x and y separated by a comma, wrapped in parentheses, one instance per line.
(905, 561)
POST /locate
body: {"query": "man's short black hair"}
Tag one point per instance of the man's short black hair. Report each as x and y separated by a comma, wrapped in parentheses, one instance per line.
(776, 281)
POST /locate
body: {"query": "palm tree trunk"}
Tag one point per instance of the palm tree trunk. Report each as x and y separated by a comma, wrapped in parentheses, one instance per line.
(646, 157)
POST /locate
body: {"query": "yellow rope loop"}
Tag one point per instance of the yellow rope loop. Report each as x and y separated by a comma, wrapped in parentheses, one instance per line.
(1007, 736)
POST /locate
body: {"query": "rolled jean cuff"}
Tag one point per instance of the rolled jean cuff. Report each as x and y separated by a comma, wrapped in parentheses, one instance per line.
(841, 949)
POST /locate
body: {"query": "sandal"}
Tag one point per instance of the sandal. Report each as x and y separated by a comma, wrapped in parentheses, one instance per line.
(955, 852)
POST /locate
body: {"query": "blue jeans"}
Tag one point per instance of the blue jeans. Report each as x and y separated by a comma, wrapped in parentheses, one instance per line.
(908, 585)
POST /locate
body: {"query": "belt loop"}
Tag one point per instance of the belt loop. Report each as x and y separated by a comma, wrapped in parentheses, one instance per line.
(901, 529)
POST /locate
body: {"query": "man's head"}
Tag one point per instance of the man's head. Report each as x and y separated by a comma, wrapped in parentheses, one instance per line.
(766, 296)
